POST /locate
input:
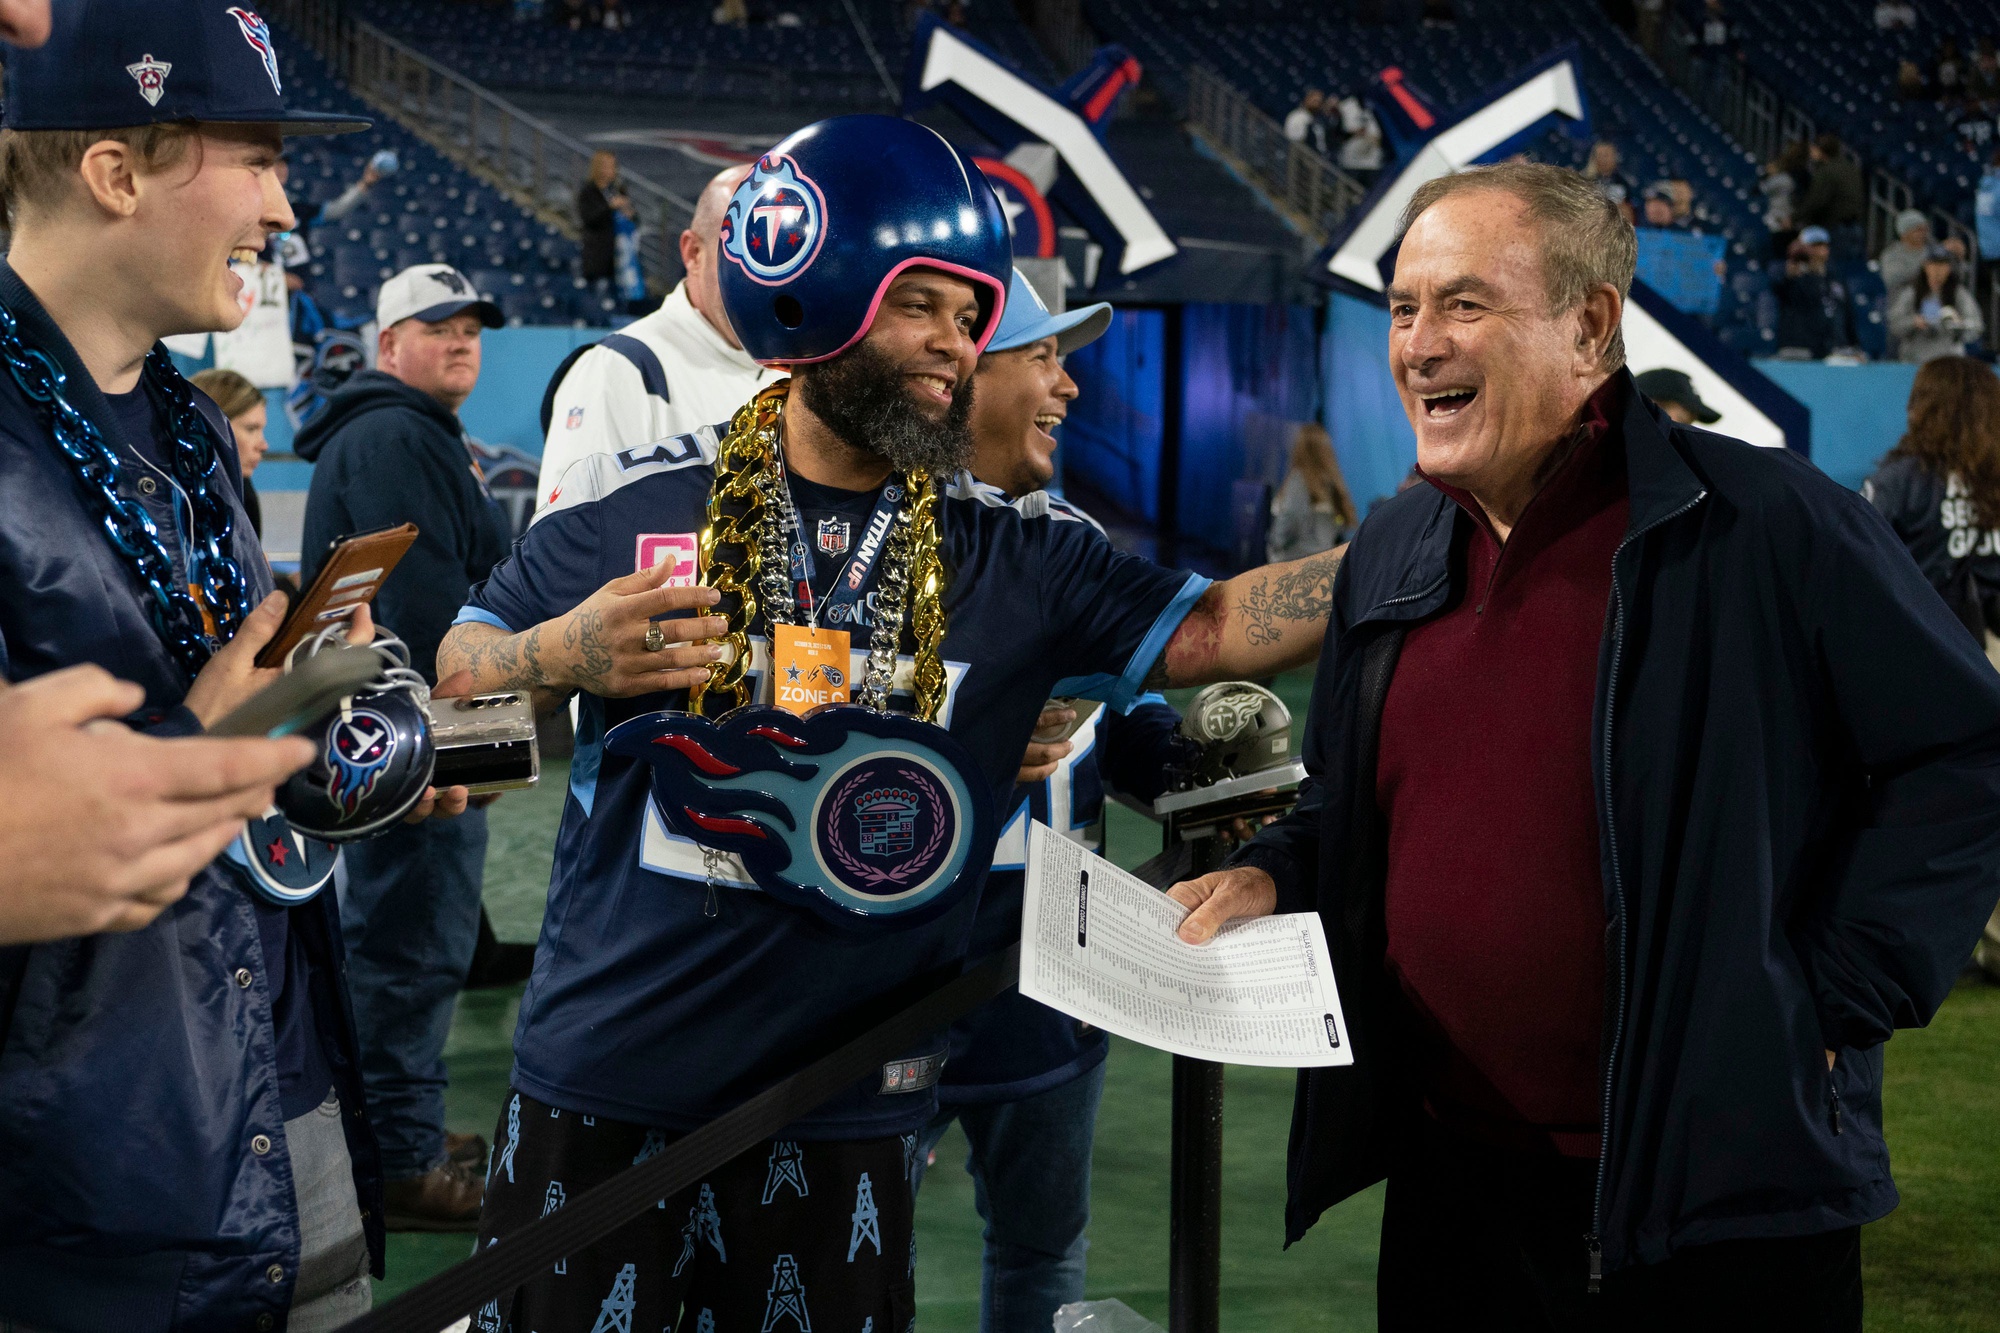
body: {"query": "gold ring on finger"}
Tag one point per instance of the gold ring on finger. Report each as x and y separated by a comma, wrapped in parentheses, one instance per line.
(656, 638)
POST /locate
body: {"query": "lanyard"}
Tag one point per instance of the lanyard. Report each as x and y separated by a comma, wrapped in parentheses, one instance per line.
(839, 605)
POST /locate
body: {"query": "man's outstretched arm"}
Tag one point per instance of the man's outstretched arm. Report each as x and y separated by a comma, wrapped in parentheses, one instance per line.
(1261, 622)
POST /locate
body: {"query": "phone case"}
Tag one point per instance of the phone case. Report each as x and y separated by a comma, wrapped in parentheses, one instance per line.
(351, 577)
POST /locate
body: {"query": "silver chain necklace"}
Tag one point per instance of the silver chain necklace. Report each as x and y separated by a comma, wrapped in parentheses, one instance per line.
(891, 595)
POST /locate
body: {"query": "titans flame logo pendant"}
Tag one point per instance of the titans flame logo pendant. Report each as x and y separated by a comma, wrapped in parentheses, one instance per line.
(872, 820)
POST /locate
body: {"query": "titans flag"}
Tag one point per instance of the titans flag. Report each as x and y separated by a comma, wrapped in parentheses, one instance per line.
(870, 819)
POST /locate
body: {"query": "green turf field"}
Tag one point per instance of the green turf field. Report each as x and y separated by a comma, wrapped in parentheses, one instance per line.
(1933, 1265)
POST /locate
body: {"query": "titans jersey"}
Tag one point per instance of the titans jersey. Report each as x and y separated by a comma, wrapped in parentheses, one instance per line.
(658, 1000)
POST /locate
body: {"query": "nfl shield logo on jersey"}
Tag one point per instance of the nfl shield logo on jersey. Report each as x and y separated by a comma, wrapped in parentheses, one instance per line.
(833, 533)
(151, 76)
(574, 420)
(775, 223)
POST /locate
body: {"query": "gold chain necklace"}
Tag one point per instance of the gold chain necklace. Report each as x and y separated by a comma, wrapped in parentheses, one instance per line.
(741, 515)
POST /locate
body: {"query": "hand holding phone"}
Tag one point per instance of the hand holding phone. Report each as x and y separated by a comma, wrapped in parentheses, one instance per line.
(353, 573)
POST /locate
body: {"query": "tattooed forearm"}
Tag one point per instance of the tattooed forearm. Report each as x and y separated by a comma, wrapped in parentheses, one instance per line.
(1302, 591)
(501, 661)
(583, 638)
(1257, 624)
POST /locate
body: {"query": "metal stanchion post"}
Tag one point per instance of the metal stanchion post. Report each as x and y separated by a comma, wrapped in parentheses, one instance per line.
(1194, 1265)
(1240, 773)
(1194, 1244)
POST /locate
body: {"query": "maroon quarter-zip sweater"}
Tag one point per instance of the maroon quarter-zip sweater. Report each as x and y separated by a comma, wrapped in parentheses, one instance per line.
(1495, 900)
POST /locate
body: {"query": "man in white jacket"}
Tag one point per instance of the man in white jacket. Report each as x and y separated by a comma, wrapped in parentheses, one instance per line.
(673, 372)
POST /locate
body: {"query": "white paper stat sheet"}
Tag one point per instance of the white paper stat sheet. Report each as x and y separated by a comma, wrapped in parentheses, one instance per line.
(1098, 943)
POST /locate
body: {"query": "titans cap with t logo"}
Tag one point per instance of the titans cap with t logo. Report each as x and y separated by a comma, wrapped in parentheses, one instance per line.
(431, 292)
(113, 63)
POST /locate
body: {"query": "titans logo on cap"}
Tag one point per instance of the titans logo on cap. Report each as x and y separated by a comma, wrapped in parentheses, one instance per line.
(151, 76)
(775, 222)
(359, 746)
(258, 34)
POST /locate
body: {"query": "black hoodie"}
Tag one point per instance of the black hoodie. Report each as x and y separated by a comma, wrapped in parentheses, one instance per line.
(387, 454)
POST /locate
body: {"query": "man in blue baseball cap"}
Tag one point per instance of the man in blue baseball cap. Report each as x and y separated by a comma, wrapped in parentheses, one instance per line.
(180, 1108)
(868, 256)
(1022, 1079)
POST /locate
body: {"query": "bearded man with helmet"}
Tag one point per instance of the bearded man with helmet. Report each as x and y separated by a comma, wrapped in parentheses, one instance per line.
(179, 1106)
(871, 259)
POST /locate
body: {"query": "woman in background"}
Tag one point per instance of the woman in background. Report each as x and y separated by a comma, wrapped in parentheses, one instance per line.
(1312, 511)
(1940, 490)
(243, 403)
(1940, 486)
(1935, 314)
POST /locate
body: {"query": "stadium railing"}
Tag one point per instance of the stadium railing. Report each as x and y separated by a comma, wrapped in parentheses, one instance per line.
(534, 162)
(1309, 191)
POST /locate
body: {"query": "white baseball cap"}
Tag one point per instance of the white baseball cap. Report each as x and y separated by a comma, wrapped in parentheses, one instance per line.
(431, 292)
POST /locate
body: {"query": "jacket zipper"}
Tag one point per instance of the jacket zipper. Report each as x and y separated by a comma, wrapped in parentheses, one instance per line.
(1312, 1089)
(1594, 1242)
(1833, 1104)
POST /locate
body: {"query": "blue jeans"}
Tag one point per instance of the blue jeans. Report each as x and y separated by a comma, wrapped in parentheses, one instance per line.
(410, 915)
(1030, 1169)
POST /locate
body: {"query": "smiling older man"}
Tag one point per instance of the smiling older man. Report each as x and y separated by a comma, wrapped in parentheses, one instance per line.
(1650, 791)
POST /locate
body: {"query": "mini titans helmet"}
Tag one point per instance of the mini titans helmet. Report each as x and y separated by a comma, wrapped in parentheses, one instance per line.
(829, 218)
(1241, 729)
(375, 754)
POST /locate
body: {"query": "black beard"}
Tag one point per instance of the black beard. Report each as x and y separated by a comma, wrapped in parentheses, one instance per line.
(861, 397)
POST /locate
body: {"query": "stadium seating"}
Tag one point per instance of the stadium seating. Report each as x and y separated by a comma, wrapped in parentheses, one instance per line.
(1830, 59)
(673, 48)
(429, 211)
(1273, 50)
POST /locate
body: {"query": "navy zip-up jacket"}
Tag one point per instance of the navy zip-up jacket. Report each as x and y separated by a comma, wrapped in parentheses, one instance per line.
(387, 454)
(138, 1071)
(1798, 790)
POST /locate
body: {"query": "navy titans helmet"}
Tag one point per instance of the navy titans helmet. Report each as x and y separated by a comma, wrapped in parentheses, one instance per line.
(829, 217)
(375, 752)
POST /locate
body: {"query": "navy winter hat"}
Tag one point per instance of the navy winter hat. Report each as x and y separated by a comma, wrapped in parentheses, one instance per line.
(112, 63)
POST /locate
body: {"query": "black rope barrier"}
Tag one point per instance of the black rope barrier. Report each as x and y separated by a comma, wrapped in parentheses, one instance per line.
(513, 1259)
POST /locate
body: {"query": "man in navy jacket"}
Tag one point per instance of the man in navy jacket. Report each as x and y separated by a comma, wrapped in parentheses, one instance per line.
(181, 1144)
(1651, 789)
(389, 450)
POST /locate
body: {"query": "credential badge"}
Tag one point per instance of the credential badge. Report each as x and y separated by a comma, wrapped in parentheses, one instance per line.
(152, 77)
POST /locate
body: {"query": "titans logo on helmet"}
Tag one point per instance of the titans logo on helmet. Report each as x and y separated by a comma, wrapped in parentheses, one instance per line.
(258, 34)
(775, 223)
(359, 747)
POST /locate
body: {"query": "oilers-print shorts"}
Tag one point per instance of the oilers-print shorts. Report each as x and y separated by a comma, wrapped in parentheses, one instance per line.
(787, 1238)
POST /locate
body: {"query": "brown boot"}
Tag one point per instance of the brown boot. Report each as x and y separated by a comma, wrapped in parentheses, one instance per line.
(468, 1150)
(446, 1198)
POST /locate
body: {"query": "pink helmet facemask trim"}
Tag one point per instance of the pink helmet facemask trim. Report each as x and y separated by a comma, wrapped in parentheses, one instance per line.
(973, 275)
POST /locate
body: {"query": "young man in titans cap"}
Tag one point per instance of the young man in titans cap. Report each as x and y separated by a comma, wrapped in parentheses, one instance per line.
(180, 1112)
(867, 256)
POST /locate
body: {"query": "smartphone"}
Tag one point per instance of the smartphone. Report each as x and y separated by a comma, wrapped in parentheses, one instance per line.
(1083, 708)
(352, 575)
(303, 695)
